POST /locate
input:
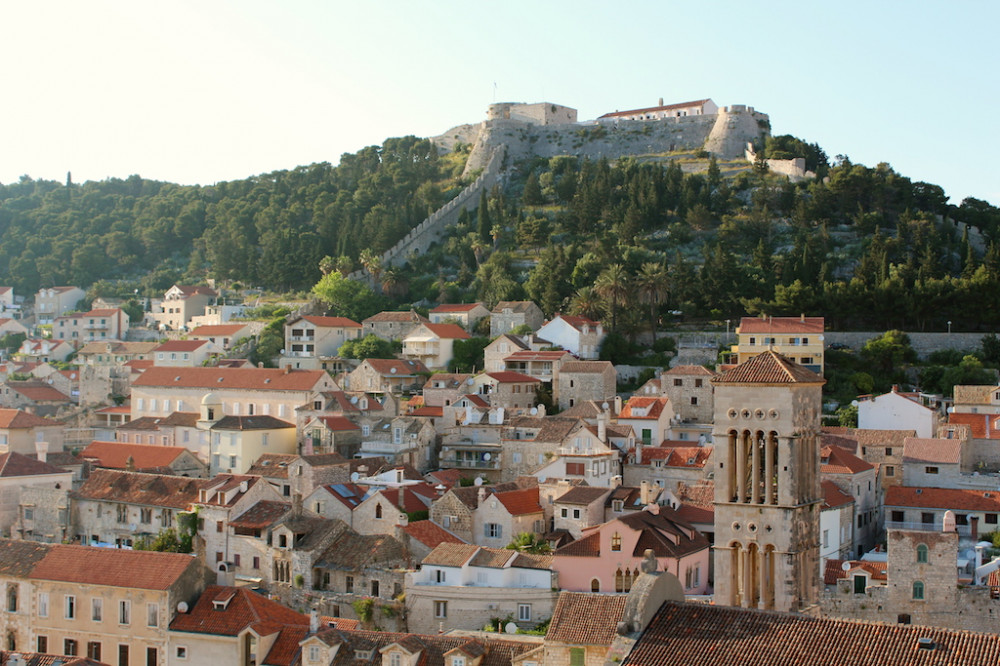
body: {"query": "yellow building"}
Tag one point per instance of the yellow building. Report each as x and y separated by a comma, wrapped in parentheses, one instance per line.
(800, 339)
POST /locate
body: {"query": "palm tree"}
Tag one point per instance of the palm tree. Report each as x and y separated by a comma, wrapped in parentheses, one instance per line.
(652, 289)
(585, 303)
(528, 542)
(613, 284)
(373, 264)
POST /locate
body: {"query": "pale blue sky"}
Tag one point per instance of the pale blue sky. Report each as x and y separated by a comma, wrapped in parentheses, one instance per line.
(199, 92)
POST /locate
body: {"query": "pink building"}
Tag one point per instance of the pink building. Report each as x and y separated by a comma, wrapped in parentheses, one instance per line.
(608, 557)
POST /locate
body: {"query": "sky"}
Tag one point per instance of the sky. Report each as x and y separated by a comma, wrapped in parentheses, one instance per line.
(201, 92)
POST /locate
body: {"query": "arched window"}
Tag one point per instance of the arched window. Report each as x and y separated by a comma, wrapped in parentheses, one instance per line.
(12, 597)
(378, 510)
(619, 581)
(922, 553)
(595, 585)
(918, 589)
(629, 575)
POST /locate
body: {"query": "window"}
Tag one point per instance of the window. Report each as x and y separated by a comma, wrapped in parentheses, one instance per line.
(564, 513)
(860, 583)
(922, 553)
(145, 516)
(374, 588)
(440, 609)
(617, 506)
(12, 597)
(395, 659)
(151, 659)
(378, 510)
(256, 562)
(96, 609)
(927, 518)
(493, 531)
(182, 652)
(524, 612)
(152, 615)
(43, 604)
(595, 585)
(991, 519)
(122, 513)
(123, 655)
(918, 590)
(43, 644)
(930, 470)
(697, 383)
(888, 451)
(577, 656)
(349, 584)
(458, 660)
(69, 647)
(826, 537)
(616, 542)
(694, 400)
(124, 612)
(680, 382)
(94, 650)
(890, 470)
(575, 469)
(439, 576)
(236, 560)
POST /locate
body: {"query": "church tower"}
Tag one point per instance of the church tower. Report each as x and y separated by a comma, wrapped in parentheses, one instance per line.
(767, 484)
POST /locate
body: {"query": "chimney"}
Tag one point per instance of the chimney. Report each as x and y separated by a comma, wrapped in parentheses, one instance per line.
(401, 499)
(661, 102)
(260, 364)
(638, 451)
(288, 368)
(644, 492)
(602, 426)
(130, 464)
(42, 449)
(802, 317)
(297, 504)
(480, 497)
(313, 621)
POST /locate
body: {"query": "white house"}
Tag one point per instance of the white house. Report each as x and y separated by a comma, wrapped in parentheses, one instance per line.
(578, 335)
(897, 411)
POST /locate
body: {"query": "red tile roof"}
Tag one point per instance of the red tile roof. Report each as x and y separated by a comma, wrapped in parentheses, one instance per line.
(689, 370)
(833, 496)
(586, 619)
(432, 412)
(38, 392)
(232, 378)
(943, 498)
(586, 367)
(834, 570)
(528, 355)
(14, 464)
(507, 377)
(836, 460)
(926, 450)
(769, 367)
(520, 502)
(983, 426)
(652, 405)
(396, 367)
(177, 492)
(115, 455)
(781, 325)
(17, 418)
(181, 345)
(217, 330)
(430, 534)
(678, 456)
(338, 423)
(332, 322)
(85, 565)
(242, 609)
(652, 109)
(448, 331)
(578, 322)
(457, 307)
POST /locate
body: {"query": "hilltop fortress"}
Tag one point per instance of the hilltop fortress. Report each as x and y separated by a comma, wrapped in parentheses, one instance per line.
(547, 130)
(513, 132)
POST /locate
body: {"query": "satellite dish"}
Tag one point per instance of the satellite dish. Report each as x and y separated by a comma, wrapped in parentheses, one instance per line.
(354, 399)
(470, 381)
(354, 477)
(510, 628)
(182, 607)
(604, 406)
(392, 370)
(479, 480)
(846, 566)
(487, 457)
(534, 411)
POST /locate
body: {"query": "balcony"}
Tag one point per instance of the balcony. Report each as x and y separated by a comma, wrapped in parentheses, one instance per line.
(301, 338)
(469, 463)
(963, 530)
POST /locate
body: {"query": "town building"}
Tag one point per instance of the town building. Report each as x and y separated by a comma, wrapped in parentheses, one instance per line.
(800, 339)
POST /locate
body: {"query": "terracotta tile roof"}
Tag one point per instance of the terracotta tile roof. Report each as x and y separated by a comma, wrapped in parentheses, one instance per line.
(686, 370)
(684, 633)
(323, 459)
(927, 450)
(37, 391)
(445, 477)
(834, 570)
(834, 497)
(577, 322)
(352, 552)
(893, 438)
(520, 502)
(476, 400)
(457, 307)
(115, 455)
(586, 367)
(678, 456)
(272, 465)
(446, 380)
(513, 306)
(982, 426)
(451, 554)
(781, 325)
(845, 442)
(191, 290)
(412, 502)
(406, 316)
(140, 364)
(185, 419)
(116, 347)
(116, 409)
(350, 495)
(448, 331)
(429, 412)
(468, 494)
(142, 569)
(430, 533)
(493, 651)
(701, 493)
(552, 429)
(243, 608)
(696, 514)
(589, 409)
(18, 558)
(217, 330)
(586, 619)
(331, 322)
(529, 355)
(664, 533)
(836, 460)
(256, 422)
(588, 546)
(507, 377)
(13, 419)
(181, 345)
(974, 394)
(260, 379)
(175, 492)
(339, 423)
(769, 367)
(396, 367)
(583, 495)
(943, 498)
(286, 651)
(491, 558)
(262, 514)
(218, 486)
(644, 407)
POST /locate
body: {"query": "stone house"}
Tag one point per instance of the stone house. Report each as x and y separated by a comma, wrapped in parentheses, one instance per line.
(701, 107)
(219, 501)
(542, 364)
(465, 315)
(181, 303)
(43, 350)
(974, 399)
(607, 558)
(444, 388)
(91, 326)
(587, 453)
(51, 302)
(689, 388)
(885, 449)
(35, 394)
(800, 339)
(423, 536)
(392, 325)
(401, 440)
(376, 375)
(495, 353)
(20, 430)
(669, 465)
(113, 507)
(18, 472)
(7, 299)
(859, 480)
(185, 353)
(585, 380)
(499, 518)
(975, 511)
(582, 629)
(836, 524)
(331, 434)
(433, 344)
(464, 587)
(310, 338)
(17, 559)
(511, 391)
(578, 335)
(114, 353)
(932, 462)
(455, 509)
(579, 508)
(531, 442)
(11, 327)
(508, 315)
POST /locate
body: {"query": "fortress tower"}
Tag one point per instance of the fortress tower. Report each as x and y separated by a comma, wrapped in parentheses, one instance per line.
(767, 484)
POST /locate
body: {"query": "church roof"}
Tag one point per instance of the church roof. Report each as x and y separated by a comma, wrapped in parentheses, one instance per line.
(769, 367)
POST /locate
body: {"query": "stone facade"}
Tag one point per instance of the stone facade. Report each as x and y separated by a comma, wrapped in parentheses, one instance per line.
(690, 390)
(508, 315)
(585, 380)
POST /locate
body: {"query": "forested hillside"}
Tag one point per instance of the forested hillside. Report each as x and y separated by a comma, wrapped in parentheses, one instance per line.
(269, 230)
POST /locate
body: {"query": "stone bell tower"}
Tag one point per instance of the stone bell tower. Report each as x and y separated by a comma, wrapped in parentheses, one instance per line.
(767, 484)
